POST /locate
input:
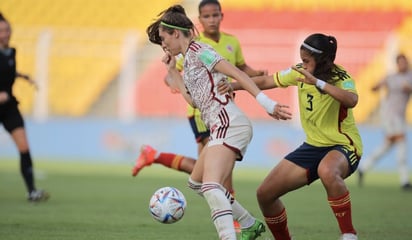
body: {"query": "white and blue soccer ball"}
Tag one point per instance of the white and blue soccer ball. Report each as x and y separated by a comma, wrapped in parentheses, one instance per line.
(167, 205)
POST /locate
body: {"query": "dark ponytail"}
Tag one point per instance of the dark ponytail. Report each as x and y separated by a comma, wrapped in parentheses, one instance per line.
(323, 48)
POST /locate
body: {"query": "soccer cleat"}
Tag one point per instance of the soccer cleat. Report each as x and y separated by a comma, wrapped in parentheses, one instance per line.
(146, 158)
(38, 196)
(407, 187)
(236, 224)
(252, 232)
(348, 236)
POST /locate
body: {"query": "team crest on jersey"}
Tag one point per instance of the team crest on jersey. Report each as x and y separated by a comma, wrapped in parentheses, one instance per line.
(229, 48)
(348, 85)
(207, 57)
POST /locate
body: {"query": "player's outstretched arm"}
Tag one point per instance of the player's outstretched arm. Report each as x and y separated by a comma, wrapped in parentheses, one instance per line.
(27, 78)
(277, 111)
(263, 82)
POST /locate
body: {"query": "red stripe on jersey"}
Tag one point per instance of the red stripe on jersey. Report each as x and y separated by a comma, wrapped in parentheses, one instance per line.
(343, 113)
(213, 93)
(224, 120)
(194, 46)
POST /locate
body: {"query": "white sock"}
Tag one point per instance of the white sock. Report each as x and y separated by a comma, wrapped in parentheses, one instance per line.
(402, 162)
(221, 210)
(244, 218)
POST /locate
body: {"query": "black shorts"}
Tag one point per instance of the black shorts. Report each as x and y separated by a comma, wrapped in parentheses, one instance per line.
(199, 128)
(309, 157)
(10, 117)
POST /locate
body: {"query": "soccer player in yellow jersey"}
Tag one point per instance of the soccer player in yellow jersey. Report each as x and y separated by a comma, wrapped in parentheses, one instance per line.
(333, 146)
(228, 46)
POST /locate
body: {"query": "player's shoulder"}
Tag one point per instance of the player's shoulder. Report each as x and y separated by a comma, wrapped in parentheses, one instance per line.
(341, 73)
(229, 36)
(8, 52)
(196, 47)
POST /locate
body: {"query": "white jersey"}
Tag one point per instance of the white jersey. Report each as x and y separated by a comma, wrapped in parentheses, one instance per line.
(201, 80)
(394, 105)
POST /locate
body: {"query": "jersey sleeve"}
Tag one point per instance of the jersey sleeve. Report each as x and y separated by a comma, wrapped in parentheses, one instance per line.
(209, 57)
(348, 84)
(286, 78)
(346, 81)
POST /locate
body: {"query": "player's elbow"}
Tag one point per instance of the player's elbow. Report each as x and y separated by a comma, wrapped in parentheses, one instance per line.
(351, 101)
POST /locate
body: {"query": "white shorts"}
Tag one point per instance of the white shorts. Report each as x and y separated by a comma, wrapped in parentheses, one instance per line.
(394, 126)
(232, 129)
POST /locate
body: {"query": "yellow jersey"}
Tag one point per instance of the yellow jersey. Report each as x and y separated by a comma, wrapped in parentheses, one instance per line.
(324, 120)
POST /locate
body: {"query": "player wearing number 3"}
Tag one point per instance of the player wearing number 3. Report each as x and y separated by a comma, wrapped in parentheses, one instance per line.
(333, 146)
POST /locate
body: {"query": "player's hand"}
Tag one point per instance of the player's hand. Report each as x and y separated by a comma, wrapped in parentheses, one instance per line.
(28, 79)
(406, 88)
(281, 112)
(308, 77)
(4, 97)
(264, 72)
(33, 83)
(169, 60)
(224, 87)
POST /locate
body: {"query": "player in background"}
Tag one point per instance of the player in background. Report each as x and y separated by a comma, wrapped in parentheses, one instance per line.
(228, 46)
(398, 90)
(333, 146)
(230, 129)
(10, 115)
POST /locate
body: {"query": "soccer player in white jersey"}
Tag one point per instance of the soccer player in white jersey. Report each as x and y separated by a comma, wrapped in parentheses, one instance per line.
(230, 129)
(399, 89)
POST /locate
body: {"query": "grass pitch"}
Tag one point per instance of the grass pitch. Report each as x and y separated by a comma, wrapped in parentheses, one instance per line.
(102, 201)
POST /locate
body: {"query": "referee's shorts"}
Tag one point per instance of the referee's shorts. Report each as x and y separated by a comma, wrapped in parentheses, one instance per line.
(10, 117)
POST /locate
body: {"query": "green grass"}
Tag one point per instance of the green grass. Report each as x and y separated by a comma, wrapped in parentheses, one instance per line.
(102, 201)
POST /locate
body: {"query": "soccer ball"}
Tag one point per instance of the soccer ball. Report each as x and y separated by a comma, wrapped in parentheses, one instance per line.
(167, 205)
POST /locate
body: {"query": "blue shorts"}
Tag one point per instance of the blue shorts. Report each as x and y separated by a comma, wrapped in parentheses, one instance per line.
(199, 128)
(309, 157)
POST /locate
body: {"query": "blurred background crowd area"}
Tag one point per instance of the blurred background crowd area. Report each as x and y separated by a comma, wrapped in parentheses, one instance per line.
(91, 58)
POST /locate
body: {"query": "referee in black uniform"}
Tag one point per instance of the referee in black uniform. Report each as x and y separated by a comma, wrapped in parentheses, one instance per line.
(10, 115)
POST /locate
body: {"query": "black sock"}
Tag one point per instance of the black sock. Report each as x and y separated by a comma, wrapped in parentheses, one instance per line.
(26, 169)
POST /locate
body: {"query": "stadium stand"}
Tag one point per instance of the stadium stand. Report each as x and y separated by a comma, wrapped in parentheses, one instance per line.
(272, 39)
(366, 27)
(86, 39)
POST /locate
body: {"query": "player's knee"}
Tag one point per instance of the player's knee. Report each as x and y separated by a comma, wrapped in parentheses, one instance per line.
(263, 196)
(329, 175)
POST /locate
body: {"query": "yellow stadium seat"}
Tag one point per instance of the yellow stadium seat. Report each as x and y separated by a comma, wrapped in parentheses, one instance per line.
(85, 49)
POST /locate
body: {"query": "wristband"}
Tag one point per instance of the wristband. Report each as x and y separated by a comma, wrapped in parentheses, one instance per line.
(267, 103)
(320, 84)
